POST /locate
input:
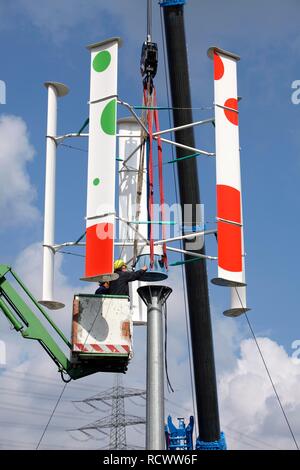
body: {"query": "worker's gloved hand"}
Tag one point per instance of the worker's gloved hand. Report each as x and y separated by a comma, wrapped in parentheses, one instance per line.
(144, 268)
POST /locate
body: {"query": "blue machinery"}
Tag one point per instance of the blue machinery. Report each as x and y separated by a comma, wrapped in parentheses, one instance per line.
(180, 438)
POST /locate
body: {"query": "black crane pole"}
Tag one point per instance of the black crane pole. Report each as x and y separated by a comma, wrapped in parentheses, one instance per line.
(196, 274)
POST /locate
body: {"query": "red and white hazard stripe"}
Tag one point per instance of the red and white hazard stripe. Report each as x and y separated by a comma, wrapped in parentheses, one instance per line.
(228, 173)
(102, 349)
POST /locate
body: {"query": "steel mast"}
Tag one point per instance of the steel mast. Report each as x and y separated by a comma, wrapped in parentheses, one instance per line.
(196, 274)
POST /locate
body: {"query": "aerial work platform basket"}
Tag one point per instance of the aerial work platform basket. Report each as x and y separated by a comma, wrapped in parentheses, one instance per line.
(101, 328)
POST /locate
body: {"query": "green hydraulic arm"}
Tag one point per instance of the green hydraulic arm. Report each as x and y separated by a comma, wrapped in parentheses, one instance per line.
(24, 320)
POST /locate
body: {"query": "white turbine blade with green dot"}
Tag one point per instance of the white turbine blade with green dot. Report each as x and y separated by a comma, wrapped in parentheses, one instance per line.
(100, 219)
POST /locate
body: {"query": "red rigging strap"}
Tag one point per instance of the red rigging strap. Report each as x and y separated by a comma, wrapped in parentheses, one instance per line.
(152, 114)
(161, 180)
(147, 100)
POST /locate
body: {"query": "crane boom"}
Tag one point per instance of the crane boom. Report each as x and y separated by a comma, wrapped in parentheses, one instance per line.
(196, 275)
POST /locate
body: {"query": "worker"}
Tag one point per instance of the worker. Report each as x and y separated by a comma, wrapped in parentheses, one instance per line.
(103, 288)
(120, 285)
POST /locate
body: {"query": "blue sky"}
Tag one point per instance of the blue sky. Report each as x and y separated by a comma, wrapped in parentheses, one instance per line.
(33, 52)
(43, 41)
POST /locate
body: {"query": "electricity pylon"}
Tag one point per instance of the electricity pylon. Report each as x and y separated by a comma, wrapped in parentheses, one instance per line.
(117, 421)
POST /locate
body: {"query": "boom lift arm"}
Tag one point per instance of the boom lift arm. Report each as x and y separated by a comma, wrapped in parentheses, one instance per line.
(24, 320)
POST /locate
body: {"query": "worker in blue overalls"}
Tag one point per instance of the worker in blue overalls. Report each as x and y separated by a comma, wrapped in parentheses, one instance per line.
(103, 288)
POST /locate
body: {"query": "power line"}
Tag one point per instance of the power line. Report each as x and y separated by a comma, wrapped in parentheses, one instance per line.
(247, 436)
(117, 421)
(27, 425)
(32, 410)
(142, 405)
(15, 443)
(245, 443)
(43, 380)
(12, 391)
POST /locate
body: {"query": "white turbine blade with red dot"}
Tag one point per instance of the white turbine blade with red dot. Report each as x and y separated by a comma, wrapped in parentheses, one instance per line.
(228, 173)
(238, 294)
(100, 220)
(238, 300)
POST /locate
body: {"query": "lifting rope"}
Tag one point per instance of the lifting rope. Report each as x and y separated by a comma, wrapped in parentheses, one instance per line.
(153, 118)
(161, 180)
(148, 100)
(140, 180)
(148, 67)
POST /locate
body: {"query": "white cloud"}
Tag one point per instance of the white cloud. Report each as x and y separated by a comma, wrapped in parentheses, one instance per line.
(249, 408)
(29, 267)
(26, 360)
(59, 18)
(228, 334)
(250, 414)
(30, 382)
(17, 194)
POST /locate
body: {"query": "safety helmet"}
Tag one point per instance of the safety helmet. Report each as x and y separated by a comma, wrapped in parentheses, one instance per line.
(118, 264)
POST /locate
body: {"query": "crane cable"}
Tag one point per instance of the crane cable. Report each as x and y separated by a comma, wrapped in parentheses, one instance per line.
(148, 67)
(148, 99)
(268, 371)
(140, 180)
(247, 318)
(177, 198)
(52, 414)
(153, 118)
(139, 188)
